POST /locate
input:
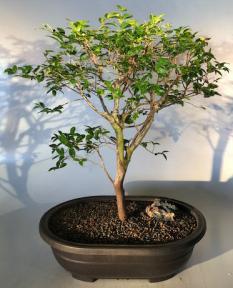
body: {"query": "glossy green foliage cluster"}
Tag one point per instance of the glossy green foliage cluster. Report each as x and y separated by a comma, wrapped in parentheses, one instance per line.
(125, 71)
(75, 142)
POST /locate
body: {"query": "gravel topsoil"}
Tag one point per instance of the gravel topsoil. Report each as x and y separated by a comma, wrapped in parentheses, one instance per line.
(97, 222)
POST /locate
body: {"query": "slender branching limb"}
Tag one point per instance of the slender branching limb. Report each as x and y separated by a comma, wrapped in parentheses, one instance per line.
(104, 166)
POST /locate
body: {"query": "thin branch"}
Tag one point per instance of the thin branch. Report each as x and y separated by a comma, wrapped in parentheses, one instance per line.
(103, 166)
(94, 59)
(90, 104)
(135, 125)
(144, 128)
(103, 105)
(94, 162)
(142, 131)
(109, 146)
(196, 106)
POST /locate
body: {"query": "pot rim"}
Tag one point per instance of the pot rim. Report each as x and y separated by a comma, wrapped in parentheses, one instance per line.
(59, 243)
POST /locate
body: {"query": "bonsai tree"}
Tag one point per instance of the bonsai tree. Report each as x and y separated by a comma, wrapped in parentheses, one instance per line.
(126, 72)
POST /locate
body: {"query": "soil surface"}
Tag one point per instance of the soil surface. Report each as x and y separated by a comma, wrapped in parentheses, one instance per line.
(97, 222)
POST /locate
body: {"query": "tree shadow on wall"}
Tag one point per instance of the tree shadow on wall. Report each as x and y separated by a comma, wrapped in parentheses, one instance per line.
(215, 125)
(23, 133)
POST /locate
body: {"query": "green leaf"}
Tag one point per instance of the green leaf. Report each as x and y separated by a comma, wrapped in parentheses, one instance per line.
(40, 77)
(100, 92)
(156, 19)
(112, 15)
(60, 151)
(163, 66)
(72, 152)
(61, 30)
(11, 70)
(132, 118)
(63, 139)
(52, 169)
(128, 120)
(25, 69)
(83, 56)
(39, 105)
(81, 161)
(121, 8)
(158, 89)
(72, 130)
(62, 165)
(144, 144)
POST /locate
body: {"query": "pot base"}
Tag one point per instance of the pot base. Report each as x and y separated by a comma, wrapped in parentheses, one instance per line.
(160, 279)
(83, 278)
(152, 280)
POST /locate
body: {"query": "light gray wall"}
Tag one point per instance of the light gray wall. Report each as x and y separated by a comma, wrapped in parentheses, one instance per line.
(199, 169)
(200, 142)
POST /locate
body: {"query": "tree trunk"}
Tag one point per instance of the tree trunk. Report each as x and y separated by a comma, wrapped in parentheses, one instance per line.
(120, 197)
(121, 167)
(119, 190)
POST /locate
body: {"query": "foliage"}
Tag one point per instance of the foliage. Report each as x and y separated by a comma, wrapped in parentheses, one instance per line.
(126, 72)
(75, 142)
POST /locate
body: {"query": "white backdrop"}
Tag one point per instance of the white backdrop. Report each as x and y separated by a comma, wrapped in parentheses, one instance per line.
(199, 168)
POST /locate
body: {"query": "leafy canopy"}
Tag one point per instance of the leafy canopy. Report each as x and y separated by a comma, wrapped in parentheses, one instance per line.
(126, 72)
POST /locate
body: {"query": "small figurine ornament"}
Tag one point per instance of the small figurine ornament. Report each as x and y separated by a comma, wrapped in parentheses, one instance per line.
(161, 210)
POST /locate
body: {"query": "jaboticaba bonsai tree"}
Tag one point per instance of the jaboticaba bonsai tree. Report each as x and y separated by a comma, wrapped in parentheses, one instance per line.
(126, 72)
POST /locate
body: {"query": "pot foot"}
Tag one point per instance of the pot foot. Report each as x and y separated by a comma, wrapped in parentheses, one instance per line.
(83, 278)
(163, 278)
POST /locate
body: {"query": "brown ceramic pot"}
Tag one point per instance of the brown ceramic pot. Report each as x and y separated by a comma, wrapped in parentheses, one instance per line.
(89, 262)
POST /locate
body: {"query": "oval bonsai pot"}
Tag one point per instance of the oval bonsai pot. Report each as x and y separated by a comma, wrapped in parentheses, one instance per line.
(156, 262)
